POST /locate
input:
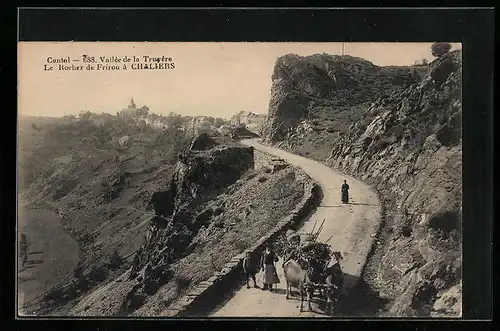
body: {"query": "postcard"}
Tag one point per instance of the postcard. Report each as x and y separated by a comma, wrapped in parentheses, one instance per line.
(239, 179)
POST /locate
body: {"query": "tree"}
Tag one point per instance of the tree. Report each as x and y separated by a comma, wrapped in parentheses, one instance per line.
(85, 115)
(218, 122)
(143, 111)
(440, 49)
(210, 120)
(174, 120)
(422, 62)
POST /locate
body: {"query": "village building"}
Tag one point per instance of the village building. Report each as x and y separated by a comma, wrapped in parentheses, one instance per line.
(156, 121)
(248, 119)
(200, 124)
(131, 110)
(100, 120)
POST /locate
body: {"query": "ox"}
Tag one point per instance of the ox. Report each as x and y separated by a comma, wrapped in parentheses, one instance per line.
(332, 277)
(297, 277)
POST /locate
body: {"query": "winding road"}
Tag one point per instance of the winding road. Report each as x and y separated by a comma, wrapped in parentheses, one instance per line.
(352, 226)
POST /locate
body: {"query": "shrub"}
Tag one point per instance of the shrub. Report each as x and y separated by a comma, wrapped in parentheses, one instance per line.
(440, 49)
(262, 179)
(104, 184)
(182, 282)
(240, 246)
(78, 272)
(98, 274)
(422, 62)
(54, 294)
(250, 174)
(115, 260)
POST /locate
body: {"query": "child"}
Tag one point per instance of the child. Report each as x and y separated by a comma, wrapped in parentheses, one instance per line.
(249, 270)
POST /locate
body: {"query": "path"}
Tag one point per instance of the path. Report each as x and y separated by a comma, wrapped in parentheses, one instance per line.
(52, 253)
(353, 227)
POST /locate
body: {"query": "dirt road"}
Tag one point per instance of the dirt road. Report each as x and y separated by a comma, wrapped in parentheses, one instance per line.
(353, 227)
(52, 253)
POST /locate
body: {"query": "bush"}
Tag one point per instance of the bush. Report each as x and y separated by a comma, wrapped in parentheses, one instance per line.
(182, 282)
(440, 49)
(241, 246)
(250, 174)
(98, 274)
(422, 62)
(54, 294)
(78, 272)
(115, 260)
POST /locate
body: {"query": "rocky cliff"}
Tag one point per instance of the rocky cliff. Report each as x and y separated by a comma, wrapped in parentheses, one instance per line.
(199, 176)
(221, 199)
(400, 130)
(322, 86)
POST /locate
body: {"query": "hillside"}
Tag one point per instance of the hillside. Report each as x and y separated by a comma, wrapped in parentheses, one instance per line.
(97, 189)
(152, 215)
(398, 129)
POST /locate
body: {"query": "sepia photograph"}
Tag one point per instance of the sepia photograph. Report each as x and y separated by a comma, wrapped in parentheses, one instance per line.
(239, 179)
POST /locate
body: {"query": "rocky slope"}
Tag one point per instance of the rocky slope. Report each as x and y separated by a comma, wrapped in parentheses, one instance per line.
(216, 206)
(400, 130)
(151, 218)
(98, 190)
(312, 92)
(199, 176)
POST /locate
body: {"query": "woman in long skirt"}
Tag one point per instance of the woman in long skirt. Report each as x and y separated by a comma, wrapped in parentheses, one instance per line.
(345, 192)
(269, 274)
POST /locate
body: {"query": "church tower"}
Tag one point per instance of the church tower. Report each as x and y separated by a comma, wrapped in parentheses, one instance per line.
(132, 103)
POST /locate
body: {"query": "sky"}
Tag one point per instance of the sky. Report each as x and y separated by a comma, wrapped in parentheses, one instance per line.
(210, 79)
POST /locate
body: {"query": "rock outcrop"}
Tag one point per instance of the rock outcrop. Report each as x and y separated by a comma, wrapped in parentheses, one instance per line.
(199, 176)
(302, 85)
(202, 142)
(406, 141)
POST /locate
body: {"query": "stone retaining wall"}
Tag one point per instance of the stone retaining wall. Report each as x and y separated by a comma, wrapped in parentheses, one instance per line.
(207, 294)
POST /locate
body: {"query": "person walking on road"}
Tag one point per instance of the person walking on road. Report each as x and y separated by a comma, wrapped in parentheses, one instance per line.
(269, 274)
(24, 248)
(345, 192)
(249, 270)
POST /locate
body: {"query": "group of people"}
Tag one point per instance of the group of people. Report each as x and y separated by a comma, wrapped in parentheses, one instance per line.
(266, 265)
(269, 258)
